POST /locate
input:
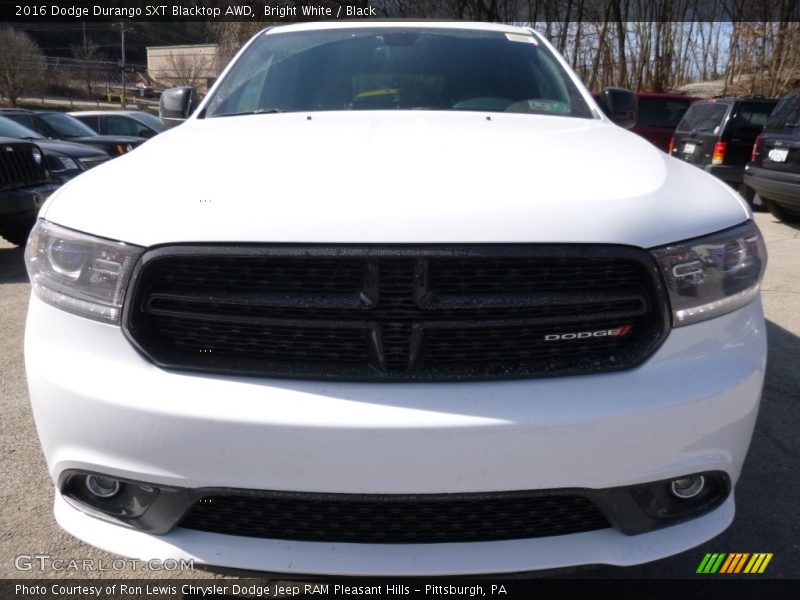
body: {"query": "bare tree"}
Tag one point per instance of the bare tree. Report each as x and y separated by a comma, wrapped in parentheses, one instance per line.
(643, 44)
(231, 36)
(21, 64)
(189, 69)
(90, 58)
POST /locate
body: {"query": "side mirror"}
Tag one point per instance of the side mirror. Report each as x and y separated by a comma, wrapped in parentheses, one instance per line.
(621, 106)
(176, 105)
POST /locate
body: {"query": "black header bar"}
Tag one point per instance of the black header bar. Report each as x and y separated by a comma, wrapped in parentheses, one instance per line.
(286, 11)
(510, 588)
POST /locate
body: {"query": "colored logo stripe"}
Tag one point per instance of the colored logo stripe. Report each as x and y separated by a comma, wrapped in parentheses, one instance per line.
(735, 562)
(732, 559)
(741, 562)
(758, 563)
(711, 563)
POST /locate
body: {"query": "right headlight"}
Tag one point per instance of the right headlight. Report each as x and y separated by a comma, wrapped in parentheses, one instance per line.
(79, 273)
(62, 163)
(713, 275)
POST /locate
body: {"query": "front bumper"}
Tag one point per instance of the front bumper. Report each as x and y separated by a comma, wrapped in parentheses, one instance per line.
(100, 406)
(25, 201)
(605, 546)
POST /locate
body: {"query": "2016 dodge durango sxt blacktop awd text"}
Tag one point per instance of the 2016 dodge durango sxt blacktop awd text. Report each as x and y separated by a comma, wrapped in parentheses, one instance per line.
(406, 302)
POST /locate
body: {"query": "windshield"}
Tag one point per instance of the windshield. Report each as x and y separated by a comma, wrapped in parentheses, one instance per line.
(397, 69)
(66, 125)
(152, 121)
(750, 120)
(786, 116)
(703, 117)
(9, 128)
(661, 112)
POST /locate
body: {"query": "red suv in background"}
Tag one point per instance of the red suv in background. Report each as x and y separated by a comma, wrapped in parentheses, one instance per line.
(659, 115)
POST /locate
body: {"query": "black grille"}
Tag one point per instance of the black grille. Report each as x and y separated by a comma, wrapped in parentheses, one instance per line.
(18, 167)
(396, 312)
(394, 518)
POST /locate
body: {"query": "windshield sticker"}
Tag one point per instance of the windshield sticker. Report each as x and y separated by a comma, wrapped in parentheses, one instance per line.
(518, 37)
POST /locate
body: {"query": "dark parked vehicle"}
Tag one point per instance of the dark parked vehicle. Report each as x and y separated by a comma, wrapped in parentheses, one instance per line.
(61, 126)
(64, 160)
(718, 135)
(121, 122)
(24, 186)
(774, 171)
(659, 115)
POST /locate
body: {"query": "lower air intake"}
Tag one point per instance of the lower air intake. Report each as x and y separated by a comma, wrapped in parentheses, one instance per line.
(395, 519)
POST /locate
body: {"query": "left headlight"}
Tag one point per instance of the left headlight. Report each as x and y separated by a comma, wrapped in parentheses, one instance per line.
(713, 275)
(79, 273)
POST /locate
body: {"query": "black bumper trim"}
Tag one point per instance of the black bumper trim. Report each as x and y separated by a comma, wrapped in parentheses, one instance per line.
(727, 173)
(781, 187)
(24, 201)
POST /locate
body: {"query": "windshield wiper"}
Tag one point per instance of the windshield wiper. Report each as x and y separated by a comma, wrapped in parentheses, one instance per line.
(258, 111)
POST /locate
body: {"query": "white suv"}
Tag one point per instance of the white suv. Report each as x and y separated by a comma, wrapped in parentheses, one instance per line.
(401, 300)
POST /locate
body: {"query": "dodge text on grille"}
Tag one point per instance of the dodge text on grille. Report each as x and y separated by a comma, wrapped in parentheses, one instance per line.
(579, 335)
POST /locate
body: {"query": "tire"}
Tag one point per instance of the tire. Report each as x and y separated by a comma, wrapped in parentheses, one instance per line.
(753, 199)
(781, 213)
(17, 233)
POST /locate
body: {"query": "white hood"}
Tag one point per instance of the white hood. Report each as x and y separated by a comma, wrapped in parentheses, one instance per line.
(398, 176)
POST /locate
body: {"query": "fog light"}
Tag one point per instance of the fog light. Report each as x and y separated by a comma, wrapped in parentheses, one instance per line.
(102, 487)
(105, 496)
(688, 487)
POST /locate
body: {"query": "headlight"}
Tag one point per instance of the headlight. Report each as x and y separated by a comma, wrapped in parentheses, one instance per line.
(124, 148)
(62, 163)
(37, 155)
(713, 275)
(88, 162)
(79, 273)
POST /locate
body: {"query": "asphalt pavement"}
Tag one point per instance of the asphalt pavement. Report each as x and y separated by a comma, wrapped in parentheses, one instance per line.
(767, 495)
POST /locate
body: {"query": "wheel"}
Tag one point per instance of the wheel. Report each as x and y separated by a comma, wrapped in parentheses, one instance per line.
(17, 232)
(781, 213)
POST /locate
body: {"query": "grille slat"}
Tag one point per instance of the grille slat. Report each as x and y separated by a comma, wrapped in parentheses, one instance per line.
(276, 274)
(17, 166)
(395, 519)
(395, 313)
